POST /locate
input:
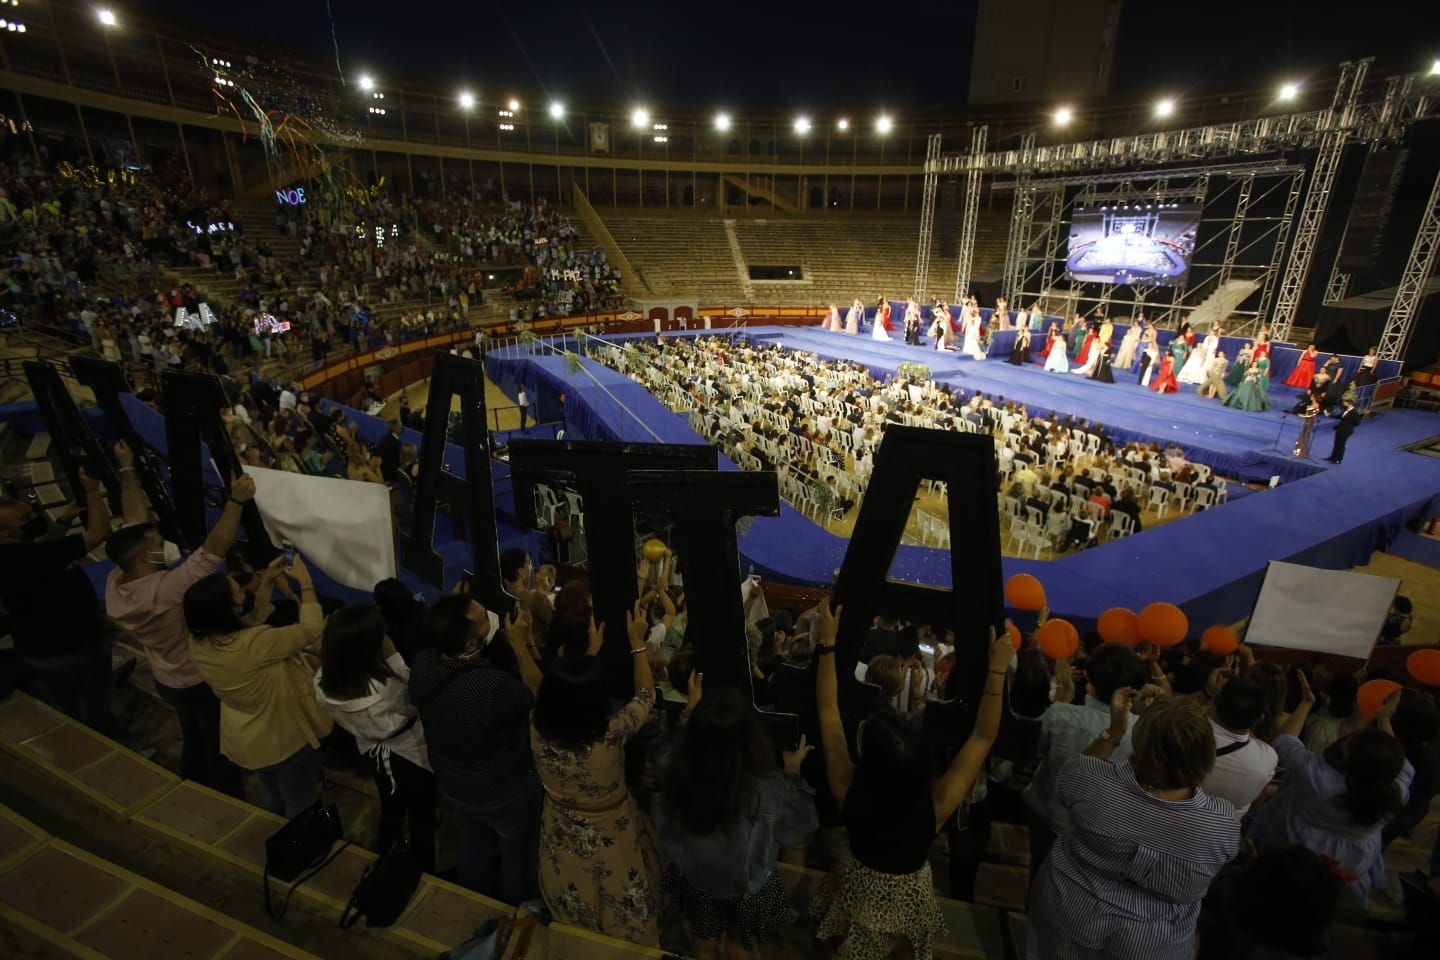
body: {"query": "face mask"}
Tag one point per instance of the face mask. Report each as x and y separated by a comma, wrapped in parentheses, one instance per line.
(167, 557)
(494, 627)
(34, 528)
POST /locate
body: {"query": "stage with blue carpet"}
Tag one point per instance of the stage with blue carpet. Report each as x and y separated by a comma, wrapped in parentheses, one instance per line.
(1211, 562)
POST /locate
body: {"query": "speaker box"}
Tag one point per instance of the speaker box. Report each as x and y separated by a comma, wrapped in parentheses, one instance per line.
(1370, 212)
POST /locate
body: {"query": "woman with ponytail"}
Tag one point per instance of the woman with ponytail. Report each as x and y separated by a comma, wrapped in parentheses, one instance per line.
(1337, 803)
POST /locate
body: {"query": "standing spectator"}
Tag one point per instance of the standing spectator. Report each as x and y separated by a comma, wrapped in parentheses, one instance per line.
(1337, 803)
(55, 619)
(1126, 879)
(522, 399)
(1244, 766)
(363, 686)
(144, 595)
(884, 896)
(389, 451)
(1066, 729)
(725, 814)
(599, 866)
(476, 714)
(269, 720)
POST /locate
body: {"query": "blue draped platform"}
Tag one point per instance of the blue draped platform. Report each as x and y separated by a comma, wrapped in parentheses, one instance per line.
(1212, 562)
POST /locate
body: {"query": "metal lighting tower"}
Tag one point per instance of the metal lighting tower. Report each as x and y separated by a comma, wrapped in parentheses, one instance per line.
(965, 245)
(1337, 130)
(1412, 282)
(927, 216)
(1017, 243)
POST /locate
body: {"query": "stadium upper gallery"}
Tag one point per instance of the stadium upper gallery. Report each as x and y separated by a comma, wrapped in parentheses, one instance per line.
(568, 481)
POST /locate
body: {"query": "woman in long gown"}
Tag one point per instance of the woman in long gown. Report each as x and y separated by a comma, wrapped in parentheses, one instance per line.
(1056, 359)
(972, 334)
(940, 329)
(1165, 378)
(832, 319)
(599, 863)
(1198, 362)
(1304, 370)
(881, 328)
(1262, 370)
(852, 319)
(1102, 372)
(1262, 343)
(1092, 352)
(1082, 355)
(1242, 363)
(1047, 343)
(1125, 355)
(1250, 396)
(1021, 351)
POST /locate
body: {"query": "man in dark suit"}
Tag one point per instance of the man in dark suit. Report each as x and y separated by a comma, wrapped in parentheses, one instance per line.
(1349, 419)
(388, 449)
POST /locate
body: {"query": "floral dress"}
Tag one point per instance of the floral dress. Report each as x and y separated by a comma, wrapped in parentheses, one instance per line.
(599, 864)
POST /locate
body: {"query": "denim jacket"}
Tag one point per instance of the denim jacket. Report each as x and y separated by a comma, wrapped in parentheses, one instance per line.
(738, 858)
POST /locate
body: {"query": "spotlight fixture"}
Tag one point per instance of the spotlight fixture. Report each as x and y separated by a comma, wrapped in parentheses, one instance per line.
(722, 122)
(467, 100)
(1435, 67)
(1165, 107)
(883, 124)
(1063, 116)
(1289, 91)
(802, 125)
(843, 125)
(106, 16)
(640, 118)
(367, 82)
(513, 105)
(507, 126)
(557, 110)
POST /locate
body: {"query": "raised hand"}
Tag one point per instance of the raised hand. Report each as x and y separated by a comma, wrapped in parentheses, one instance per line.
(1120, 704)
(794, 758)
(242, 488)
(637, 624)
(597, 636)
(1002, 651)
(829, 620)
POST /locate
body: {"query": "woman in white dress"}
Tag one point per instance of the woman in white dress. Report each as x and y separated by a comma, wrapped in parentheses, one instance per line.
(940, 330)
(877, 329)
(1194, 371)
(972, 334)
(852, 319)
(1125, 355)
(1152, 350)
(1057, 360)
(1091, 361)
(832, 320)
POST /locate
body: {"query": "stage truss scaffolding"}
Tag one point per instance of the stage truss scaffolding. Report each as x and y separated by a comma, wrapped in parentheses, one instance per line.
(969, 219)
(927, 217)
(1418, 267)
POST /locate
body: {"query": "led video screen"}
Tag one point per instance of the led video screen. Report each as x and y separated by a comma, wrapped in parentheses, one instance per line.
(1142, 244)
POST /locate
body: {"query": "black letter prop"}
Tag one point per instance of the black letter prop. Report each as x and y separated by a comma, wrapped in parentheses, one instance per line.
(973, 604)
(455, 376)
(192, 415)
(599, 472)
(107, 381)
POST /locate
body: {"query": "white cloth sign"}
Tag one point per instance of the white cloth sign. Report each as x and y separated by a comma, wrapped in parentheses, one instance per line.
(1320, 611)
(341, 527)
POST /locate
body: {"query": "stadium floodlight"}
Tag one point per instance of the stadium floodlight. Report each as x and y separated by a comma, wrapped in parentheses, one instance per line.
(802, 125)
(722, 122)
(1165, 107)
(367, 82)
(557, 110)
(883, 124)
(1289, 91)
(106, 16)
(640, 118)
(467, 100)
(1435, 67)
(1063, 115)
(513, 105)
(843, 125)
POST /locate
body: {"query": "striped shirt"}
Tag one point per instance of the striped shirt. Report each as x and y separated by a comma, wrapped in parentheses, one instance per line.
(1126, 881)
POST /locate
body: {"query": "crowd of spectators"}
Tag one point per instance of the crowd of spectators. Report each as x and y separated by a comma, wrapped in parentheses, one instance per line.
(817, 422)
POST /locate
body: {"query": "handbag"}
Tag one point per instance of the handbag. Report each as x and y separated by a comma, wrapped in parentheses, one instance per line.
(300, 847)
(384, 891)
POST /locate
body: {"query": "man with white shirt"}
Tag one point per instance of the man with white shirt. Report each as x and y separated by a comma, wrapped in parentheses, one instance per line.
(1244, 766)
(288, 400)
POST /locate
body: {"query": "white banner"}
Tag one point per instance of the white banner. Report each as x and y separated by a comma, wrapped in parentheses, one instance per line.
(1320, 611)
(341, 527)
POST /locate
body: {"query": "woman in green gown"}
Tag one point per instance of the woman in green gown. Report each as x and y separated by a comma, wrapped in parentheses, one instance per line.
(1263, 366)
(1250, 396)
(1242, 363)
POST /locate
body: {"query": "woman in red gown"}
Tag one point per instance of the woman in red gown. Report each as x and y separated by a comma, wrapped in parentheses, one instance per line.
(1045, 348)
(1165, 381)
(1262, 345)
(1304, 370)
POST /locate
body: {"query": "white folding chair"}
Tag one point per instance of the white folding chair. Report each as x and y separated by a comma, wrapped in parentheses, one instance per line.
(1160, 500)
(1121, 525)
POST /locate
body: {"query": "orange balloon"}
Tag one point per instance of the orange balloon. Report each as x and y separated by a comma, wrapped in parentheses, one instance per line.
(1372, 694)
(1163, 624)
(1058, 638)
(1024, 592)
(1119, 625)
(1424, 665)
(1220, 640)
(1014, 633)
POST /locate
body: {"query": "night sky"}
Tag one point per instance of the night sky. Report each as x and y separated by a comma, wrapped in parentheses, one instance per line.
(746, 53)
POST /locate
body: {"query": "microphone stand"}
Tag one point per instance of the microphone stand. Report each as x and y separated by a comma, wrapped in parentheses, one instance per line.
(1276, 445)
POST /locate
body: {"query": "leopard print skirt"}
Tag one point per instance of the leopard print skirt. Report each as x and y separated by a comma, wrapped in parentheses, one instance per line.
(875, 911)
